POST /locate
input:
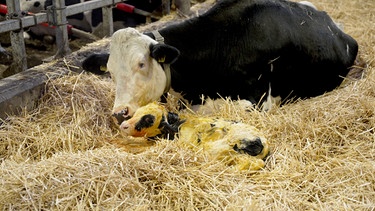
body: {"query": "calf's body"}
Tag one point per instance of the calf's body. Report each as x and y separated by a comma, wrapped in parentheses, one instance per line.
(233, 143)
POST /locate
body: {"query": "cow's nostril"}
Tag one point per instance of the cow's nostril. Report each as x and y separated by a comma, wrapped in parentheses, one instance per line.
(251, 147)
(121, 116)
(37, 4)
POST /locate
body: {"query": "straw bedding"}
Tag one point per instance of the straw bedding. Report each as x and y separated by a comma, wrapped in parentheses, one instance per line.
(62, 156)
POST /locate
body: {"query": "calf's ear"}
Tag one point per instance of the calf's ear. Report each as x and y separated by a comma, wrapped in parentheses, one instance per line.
(96, 63)
(164, 53)
(170, 125)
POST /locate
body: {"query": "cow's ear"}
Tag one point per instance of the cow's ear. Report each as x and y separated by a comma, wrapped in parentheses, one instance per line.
(96, 63)
(164, 53)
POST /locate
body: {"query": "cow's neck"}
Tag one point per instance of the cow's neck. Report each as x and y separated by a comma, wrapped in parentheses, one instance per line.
(166, 67)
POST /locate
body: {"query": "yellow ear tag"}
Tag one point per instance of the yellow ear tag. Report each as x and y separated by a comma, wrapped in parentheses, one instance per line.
(103, 68)
(162, 59)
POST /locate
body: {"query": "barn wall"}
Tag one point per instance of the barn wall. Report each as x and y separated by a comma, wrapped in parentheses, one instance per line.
(23, 90)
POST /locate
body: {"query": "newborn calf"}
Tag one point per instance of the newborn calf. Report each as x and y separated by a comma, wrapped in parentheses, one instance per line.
(233, 143)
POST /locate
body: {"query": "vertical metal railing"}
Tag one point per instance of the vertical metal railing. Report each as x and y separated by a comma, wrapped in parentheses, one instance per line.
(19, 63)
(107, 22)
(61, 23)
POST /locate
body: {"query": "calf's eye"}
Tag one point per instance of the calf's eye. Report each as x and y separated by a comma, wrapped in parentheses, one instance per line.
(146, 121)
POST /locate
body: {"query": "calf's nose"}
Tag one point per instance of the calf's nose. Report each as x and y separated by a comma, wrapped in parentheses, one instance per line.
(124, 126)
(252, 147)
(121, 116)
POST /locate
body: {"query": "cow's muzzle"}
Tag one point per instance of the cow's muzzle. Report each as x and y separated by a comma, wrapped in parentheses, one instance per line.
(121, 116)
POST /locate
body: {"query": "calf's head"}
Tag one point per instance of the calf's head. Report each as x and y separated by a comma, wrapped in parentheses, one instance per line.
(136, 66)
(150, 121)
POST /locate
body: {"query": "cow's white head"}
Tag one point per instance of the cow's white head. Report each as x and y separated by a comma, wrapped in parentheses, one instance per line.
(135, 64)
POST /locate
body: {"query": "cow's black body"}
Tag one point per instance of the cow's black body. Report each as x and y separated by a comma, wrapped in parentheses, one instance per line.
(241, 48)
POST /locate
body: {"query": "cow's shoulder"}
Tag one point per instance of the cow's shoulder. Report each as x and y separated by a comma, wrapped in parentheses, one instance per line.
(240, 8)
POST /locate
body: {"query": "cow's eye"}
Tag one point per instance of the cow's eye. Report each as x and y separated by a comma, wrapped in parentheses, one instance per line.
(141, 65)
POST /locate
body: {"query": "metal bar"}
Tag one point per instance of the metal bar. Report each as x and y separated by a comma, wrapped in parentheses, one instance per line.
(62, 41)
(183, 6)
(107, 24)
(165, 4)
(89, 5)
(34, 19)
(10, 25)
(18, 43)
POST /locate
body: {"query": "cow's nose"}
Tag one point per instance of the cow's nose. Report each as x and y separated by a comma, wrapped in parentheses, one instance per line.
(252, 147)
(121, 115)
(36, 4)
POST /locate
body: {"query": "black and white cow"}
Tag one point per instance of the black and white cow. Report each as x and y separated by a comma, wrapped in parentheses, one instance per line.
(247, 49)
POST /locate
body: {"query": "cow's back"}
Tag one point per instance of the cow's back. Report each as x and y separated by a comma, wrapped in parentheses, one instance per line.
(240, 47)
